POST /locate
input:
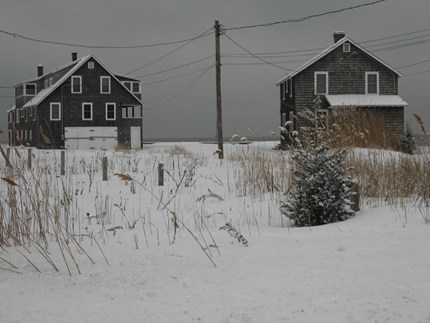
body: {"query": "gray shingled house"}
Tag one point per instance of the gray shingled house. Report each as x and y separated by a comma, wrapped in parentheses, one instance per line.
(343, 75)
(81, 105)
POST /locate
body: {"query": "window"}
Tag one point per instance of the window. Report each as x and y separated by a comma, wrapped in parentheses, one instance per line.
(131, 112)
(105, 84)
(76, 84)
(51, 81)
(87, 111)
(372, 83)
(346, 47)
(55, 113)
(91, 65)
(30, 89)
(127, 84)
(45, 83)
(321, 82)
(136, 87)
(110, 111)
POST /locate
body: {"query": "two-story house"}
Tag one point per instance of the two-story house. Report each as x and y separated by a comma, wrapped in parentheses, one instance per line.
(81, 105)
(343, 75)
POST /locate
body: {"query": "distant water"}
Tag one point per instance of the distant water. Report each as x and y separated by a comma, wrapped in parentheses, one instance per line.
(202, 139)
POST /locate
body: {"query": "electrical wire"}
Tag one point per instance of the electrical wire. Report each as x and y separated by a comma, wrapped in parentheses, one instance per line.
(258, 57)
(179, 92)
(413, 64)
(207, 32)
(173, 77)
(15, 35)
(175, 68)
(295, 20)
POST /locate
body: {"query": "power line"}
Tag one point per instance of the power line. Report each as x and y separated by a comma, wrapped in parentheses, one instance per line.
(171, 52)
(295, 20)
(15, 35)
(173, 77)
(413, 64)
(175, 68)
(417, 73)
(258, 57)
(6, 87)
(186, 87)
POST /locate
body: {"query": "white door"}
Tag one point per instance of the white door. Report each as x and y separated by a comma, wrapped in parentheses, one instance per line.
(135, 141)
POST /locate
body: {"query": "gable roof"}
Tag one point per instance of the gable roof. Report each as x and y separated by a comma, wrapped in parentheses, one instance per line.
(331, 49)
(42, 95)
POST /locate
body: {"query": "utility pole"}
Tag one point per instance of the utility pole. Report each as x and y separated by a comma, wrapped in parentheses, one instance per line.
(218, 91)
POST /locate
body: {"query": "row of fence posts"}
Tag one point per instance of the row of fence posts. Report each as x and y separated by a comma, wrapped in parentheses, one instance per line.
(355, 200)
(6, 156)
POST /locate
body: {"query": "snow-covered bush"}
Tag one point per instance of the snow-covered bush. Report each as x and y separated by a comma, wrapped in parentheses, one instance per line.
(321, 191)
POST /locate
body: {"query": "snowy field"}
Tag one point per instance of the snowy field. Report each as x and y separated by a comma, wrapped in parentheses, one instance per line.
(150, 253)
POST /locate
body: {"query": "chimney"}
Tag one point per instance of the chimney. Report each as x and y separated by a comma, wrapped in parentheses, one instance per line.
(39, 70)
(74, 56)
(338, 35)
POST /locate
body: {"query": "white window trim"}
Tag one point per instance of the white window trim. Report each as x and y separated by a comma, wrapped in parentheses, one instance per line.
(91, 65)
(25, 88)
(346, 47)
(377, 82)
(315, 81)
(114, 110)
(101, 84)
(83, 115)
(77, 77)
(140, 88)
(59, 111)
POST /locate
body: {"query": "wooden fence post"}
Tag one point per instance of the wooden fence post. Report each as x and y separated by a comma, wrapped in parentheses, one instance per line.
(355, 198)
(29, 158)
(105, 167)
(160, 174)
(6, 156)
(63, 163)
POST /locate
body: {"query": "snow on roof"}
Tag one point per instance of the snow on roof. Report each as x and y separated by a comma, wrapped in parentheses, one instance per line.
(39, 97)
(365, 100)
(11, 109)
(42, 95)
(329, 50)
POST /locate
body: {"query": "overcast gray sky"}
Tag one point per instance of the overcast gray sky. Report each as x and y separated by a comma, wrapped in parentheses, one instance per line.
(249, 95)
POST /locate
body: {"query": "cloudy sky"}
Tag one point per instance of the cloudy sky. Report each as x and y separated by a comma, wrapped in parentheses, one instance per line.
(181, 102)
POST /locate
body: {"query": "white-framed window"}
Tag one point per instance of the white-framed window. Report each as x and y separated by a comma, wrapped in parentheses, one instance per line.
(77, 84)
(131, 112)
(321, 82)
(55, 111)
(346, 47)
(30, 89)
(372, 82)
(105, 84)
(135, 87)
(110, 111)
(91, 65)
(87, 111)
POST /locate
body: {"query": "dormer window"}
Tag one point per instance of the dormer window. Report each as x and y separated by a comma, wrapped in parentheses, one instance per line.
(372, 83)
(346, 47)
(133, 87)
(30, 89)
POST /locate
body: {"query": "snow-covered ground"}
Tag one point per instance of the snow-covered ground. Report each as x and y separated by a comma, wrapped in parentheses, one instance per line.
(374, 267)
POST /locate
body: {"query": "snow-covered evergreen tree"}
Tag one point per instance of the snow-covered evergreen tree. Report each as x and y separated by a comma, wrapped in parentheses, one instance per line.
(321, 192)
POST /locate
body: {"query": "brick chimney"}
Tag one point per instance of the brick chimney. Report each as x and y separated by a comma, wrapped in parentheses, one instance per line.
(39, 70)
(338, 35)
(74, 56)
